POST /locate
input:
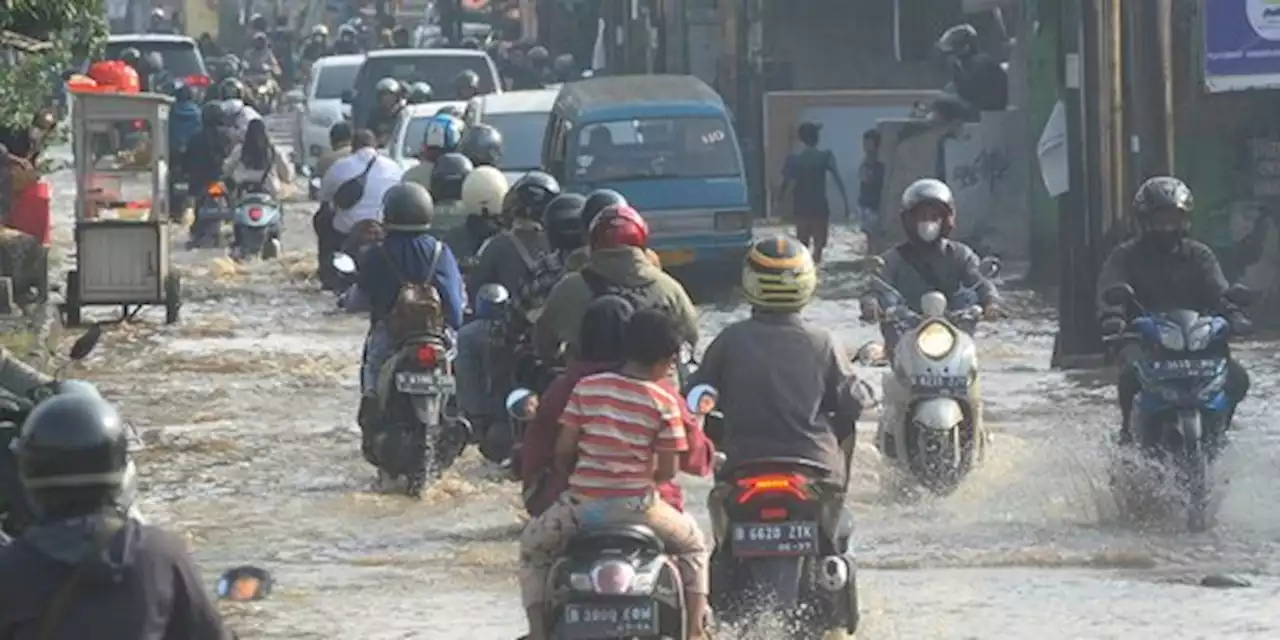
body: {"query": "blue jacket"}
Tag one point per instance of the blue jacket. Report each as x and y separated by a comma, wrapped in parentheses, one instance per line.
(412, 254)
(184, 122)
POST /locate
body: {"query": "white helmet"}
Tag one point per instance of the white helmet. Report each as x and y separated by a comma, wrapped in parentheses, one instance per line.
(320, 30)
(483, 191)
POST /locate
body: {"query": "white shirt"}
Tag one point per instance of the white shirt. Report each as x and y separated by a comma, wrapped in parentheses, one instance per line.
(384, 174)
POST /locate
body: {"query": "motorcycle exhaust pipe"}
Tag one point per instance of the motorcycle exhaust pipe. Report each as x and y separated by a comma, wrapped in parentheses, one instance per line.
(833, 573)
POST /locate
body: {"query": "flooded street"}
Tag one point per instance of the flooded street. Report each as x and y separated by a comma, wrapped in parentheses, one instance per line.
(247, 408)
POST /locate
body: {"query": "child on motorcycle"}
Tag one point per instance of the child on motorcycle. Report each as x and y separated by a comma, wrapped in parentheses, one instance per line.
(622, 434)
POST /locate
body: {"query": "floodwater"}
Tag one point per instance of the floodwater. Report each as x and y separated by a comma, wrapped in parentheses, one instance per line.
(247, 410)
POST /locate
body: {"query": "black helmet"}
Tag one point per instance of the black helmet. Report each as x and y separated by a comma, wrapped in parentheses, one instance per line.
(466, 79)
(232, 89)
(482, 144)
(258, 22)
(562, 220)
(183, 93)
(407, 207)
(389, 85)
(539, 56)
(131, 56)
(447, 176)
(596, 202)
(74, 447)
(211, 115)
(346, 31)
(529, 196)
(420, 92)
(1158, 195)
(960, 40)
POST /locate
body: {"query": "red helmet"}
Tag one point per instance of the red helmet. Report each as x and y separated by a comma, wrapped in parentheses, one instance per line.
(619, 226)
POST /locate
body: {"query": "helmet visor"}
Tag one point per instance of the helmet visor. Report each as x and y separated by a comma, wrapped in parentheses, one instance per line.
(927, 211)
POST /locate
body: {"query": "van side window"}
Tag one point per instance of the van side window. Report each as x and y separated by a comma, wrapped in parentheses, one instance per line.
(557, 143)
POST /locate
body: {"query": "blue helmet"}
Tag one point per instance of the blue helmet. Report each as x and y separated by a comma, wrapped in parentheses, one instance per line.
(444, 132)
(491, 300)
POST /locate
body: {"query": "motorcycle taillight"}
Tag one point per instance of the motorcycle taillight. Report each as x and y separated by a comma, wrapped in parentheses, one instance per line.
(792, 484)
(427, 356)
(612, 578)
(255, 214)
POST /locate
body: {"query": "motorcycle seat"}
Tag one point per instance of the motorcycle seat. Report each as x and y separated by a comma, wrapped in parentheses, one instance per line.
(613, 535)
(777, 464)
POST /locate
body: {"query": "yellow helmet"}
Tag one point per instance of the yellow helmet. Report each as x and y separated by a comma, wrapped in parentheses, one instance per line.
(779, 274)
(483, 191)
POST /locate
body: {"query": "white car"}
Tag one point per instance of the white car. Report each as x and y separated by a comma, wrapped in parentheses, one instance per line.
(406, 140)
(330, 77)
(521, 118)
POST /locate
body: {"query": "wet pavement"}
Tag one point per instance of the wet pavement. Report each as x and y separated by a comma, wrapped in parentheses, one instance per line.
(247, 410)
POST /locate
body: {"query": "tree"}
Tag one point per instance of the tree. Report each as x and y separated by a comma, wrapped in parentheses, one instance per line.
(74, 28)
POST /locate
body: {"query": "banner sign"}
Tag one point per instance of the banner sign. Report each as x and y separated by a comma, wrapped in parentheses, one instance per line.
(1241, 44)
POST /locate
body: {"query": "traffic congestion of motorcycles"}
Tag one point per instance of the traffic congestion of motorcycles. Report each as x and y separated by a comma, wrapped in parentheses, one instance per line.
(525, 298)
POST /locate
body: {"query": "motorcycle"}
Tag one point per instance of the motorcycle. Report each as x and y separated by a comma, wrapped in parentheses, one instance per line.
(421, 432)
(1181, 414)
(931, 427)
(265, 91)
(257, 227)
(213, 209)
(612, 581)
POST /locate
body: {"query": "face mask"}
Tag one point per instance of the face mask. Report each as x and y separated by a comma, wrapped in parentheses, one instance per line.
(1163, 239)
(929, 230)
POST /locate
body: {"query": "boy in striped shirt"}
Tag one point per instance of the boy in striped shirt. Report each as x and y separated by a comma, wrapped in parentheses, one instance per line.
(622, 434)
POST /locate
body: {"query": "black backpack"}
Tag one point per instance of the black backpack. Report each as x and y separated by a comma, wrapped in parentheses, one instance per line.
(640, 296)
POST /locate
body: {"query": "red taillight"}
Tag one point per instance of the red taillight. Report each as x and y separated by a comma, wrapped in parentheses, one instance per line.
(427, 356)
(612, 578)
(139, 125)
(255, 214)
(790, 483)
(773, 514)
(199, 80)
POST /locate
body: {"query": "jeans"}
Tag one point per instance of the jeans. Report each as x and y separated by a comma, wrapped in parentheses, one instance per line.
(378, 346)
(328, 242)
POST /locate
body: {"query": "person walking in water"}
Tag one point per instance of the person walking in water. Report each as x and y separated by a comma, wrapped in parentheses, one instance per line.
(806, 171)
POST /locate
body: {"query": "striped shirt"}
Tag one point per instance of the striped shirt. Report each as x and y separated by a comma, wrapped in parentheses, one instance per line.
(624, 422)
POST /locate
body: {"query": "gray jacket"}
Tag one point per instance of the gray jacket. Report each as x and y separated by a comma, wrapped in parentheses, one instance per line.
(475, 392)
(787, 389)
(508, 259)
(953, 264)
(1189, 277)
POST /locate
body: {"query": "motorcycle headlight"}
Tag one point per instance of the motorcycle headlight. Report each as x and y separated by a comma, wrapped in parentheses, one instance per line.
(1199, 336)
(1171, 338)
(935, 340)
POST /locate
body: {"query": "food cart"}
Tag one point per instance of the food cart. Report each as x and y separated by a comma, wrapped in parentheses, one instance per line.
(121, 233)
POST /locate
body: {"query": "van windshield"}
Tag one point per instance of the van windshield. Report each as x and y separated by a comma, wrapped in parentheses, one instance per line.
(655, 148)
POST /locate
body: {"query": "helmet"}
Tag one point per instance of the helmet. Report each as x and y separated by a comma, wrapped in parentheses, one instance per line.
(447, 176)
(389, 85)
(483, 191)
(562, 220)
(482, 144)
(1161, 194)
(157, 14)
(449, 110)
(596, 202)
(183, 93)
(155, 61)
(443, 133)
(466, 79)
(539, 55)
(346, 31)
(778, 274)
(923, 192)
(258, 22)
(131, 56)
(420, 92)
(491, 299)
(211, 115)
(320, 31)
(232, 89)
(529, 196)
(618, 226)
(960, 40)
(408, 207)
(563, 62)
(74, 443)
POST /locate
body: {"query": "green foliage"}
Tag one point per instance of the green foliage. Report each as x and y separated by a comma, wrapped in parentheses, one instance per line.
(75, 28)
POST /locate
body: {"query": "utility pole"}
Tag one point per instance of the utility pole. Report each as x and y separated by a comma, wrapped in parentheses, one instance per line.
(1151, 27)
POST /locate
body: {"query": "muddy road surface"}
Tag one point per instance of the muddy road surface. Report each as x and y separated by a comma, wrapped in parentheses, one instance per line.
(247, 409)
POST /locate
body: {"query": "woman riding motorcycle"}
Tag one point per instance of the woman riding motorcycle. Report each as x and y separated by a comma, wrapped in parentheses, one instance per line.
(510, 256)
(257, 165)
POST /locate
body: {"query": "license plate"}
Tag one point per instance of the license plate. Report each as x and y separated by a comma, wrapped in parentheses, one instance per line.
(675, 258)
(1176, 369)
(423, 383)
(941, 383)
(179, 186)
(775, 539)
(610, 620)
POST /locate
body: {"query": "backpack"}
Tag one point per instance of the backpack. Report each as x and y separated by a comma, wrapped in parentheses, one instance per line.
(640, 296)
(418, 309)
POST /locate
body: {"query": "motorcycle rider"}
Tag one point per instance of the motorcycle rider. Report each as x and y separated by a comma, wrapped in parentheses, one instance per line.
(540, 64)
(447, 177)
(442, 134)
(483, 145)
(184, 121)
(564, 68)
(257, 164)
(483, 192)
(1167, 270)
(787, 387)
(322, 223)
(400, 37)
(238, 108)
(133, 57)
(348, 42)
(407, 252)
(378, 173)
(386, 113)
(929, 260)
(259, 59)
(596, 202)
(281, 38)
(206, 151)
(258, 24)
(420, 92)
(316, 46)
(509, 257)
(157, 79)
(159, 22)
(87, 568)
(466, 85)
(594, 435)
(617, 264)
(480, 392)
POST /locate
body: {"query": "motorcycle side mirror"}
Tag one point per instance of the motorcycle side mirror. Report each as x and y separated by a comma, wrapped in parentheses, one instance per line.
(1240, 295)
(348, 96)
(702, 399)
(872, 354)
(989, 267)
(85, 344)
(305, 171)
(1118, 295)
(870, 264)
(344, 263)
(245, 584)
(522, 404)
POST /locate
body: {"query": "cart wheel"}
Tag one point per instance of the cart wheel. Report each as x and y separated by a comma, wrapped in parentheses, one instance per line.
(172, 298)
(72, 306)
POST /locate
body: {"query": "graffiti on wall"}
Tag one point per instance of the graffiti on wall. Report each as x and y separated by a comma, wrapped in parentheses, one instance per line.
(988, 167)
(991, 188)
